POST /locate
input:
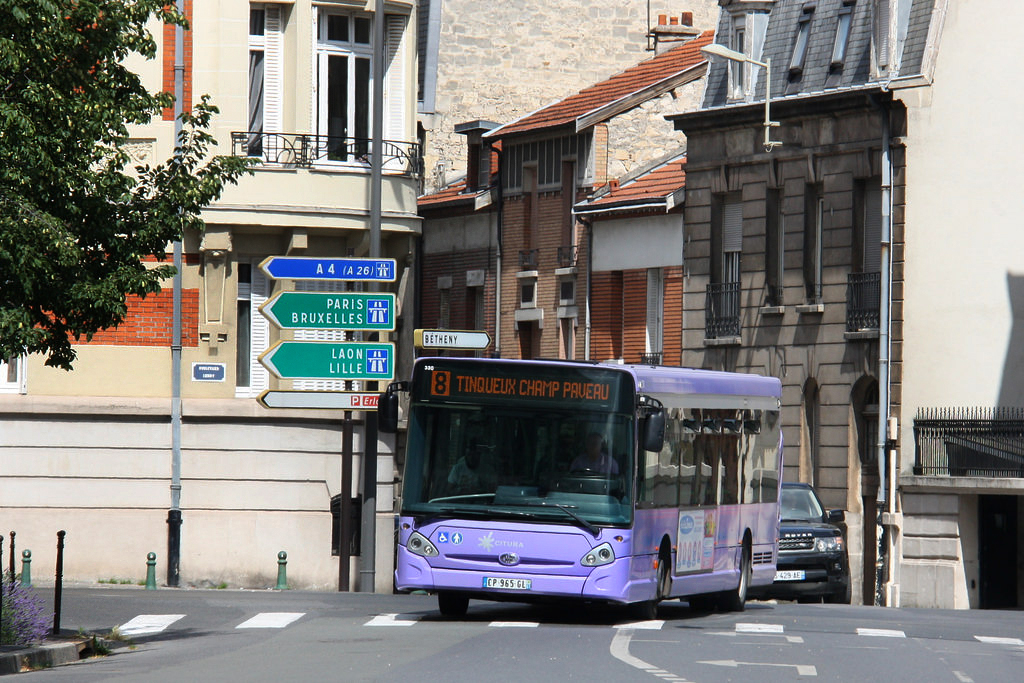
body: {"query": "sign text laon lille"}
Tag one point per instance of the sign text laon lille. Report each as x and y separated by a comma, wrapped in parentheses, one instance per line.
(331, 360)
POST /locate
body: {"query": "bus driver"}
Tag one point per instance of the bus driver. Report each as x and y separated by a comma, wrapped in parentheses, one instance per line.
(595, 457)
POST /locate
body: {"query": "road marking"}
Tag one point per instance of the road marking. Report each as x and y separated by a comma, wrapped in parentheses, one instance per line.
(148, 623)
(962, 677)
(759, 628)
(651, 625)
(390, 620)
(993, 640)
(514, 624)
(271, 620)
(880, 633)
(620, 650)
(801, 669)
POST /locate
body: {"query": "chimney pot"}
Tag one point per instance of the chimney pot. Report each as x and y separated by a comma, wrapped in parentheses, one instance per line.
(662, 19)
(673, 21)
(686, 19)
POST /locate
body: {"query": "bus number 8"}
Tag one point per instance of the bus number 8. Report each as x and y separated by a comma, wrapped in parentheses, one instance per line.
(441, 383)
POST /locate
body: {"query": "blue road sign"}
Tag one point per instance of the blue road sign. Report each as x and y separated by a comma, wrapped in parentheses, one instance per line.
(347, 269)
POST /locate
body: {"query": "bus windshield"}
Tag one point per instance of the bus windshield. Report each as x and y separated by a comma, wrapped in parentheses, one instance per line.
(520, 458)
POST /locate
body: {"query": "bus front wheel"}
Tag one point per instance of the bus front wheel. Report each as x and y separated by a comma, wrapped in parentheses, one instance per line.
(452, 604)
(736, 600)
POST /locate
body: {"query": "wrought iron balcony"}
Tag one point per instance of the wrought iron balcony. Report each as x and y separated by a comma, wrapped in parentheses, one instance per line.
(722, 310)
(863, 301)
(300, 150)
(528, 259)
(650, 358)
(567, 256)
(970, 442)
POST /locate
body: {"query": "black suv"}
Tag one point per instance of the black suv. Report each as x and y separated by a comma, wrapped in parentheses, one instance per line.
(813, 564)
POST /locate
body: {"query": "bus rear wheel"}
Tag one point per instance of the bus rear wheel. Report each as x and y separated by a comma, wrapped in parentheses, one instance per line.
(452, 604)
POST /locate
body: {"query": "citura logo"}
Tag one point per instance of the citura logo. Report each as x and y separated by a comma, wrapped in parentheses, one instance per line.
(487, 542)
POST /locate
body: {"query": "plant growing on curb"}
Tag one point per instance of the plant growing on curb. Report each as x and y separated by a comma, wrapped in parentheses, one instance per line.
(24, 619)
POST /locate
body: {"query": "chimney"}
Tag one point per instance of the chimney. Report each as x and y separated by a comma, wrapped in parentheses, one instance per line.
(672, 31)
(478, 154)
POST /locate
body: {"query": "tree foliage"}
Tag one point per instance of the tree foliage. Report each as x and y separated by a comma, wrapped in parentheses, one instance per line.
(77, 219)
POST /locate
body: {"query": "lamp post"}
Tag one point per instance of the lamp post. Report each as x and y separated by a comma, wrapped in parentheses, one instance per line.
(716, 50)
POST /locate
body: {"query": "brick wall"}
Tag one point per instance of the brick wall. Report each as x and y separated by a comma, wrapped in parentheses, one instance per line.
(149, 321)
(168, 64)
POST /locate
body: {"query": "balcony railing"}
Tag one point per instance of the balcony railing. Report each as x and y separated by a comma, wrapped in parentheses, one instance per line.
(863, 301)
(567, 256)
(300, 150)
(722, 310)
(528, 259)
(650, 358)
(969, 442)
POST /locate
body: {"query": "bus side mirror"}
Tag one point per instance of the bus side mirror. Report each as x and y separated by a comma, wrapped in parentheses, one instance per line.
(387, 409)
(654, 430)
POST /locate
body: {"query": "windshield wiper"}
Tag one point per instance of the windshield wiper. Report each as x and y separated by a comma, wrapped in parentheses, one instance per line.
(567, 510)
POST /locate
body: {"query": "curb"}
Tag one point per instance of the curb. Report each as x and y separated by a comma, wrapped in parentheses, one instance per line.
(47, 655)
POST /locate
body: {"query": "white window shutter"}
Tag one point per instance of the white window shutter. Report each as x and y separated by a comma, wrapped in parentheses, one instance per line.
(655, 290)
(259, 378)
(395, 81)
(273, 70)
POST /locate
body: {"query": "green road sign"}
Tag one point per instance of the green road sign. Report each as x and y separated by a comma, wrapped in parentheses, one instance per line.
(331, 310)
(331, 360)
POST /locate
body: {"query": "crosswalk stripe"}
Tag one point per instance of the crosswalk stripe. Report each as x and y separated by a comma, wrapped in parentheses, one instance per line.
(148, 623)
(880, 633)
(514, 624)
(994, 640)
(652, 625)
(390, 620)
(759, 628)
(271, 620)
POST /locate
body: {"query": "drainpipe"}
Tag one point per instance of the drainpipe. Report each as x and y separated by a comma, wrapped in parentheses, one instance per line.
(884, 500)
(497, 278)
(589, 224)
(174, 514)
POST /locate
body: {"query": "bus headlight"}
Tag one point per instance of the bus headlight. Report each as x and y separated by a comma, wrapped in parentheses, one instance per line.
(601, 555)
(418, 544)
(829, 545)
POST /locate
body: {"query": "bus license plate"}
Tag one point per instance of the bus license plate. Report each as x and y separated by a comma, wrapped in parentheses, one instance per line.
(507, 584)
(790, 575)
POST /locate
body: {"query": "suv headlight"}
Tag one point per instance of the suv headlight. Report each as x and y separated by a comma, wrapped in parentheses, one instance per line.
(601, 555)
(828, 545)
(418, 544)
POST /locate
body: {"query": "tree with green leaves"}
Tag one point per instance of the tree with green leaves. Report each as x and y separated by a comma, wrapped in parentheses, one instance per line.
(77, 219)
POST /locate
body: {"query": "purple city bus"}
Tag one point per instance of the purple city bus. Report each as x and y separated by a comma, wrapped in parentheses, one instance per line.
(598, 482)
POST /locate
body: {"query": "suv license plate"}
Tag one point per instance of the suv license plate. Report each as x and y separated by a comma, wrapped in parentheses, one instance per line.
(790, 575)
(507, 584)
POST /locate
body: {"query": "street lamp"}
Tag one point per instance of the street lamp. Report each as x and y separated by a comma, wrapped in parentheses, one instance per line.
(716, 50)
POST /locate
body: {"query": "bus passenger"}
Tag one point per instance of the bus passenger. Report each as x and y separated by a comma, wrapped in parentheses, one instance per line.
(595, 457)
(469, 472)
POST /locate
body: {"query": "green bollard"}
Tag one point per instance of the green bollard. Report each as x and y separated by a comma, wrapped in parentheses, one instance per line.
(282, 563)
(151, 572)
(26, 567)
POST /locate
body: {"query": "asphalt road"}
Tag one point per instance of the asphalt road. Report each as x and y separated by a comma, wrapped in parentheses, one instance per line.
(209, 635)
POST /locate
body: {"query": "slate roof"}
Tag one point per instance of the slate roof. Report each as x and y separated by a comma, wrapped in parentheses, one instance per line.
(656, 188)
(818, 74)
(634, 79)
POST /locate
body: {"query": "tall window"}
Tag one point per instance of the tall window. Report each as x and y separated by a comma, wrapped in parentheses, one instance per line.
(265, 75)
(344, 53)
(738, 70)
(775, 248)
(842, 35)
(12, 372)
(252, 335)
(803, 33)
(732, 238)
(814, 215)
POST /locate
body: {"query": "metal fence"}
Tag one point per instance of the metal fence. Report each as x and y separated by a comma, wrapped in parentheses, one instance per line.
(863, 301)
(722, 310)
(301, 150)
(969, 442)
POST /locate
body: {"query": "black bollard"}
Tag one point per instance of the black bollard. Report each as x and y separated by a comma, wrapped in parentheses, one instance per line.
(12, 557)
(57, 588)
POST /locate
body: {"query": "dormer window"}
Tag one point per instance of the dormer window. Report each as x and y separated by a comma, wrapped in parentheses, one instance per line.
(746, 35)
(842, 36)
(803, 32)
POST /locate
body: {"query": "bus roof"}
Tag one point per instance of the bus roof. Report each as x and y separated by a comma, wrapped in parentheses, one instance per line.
(661, 379)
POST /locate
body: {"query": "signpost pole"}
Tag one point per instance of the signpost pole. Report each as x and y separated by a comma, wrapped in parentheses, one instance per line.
(345, 504)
